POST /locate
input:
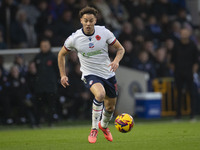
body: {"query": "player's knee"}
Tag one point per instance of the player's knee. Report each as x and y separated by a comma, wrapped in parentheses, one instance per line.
(100, 96)
(110, 108)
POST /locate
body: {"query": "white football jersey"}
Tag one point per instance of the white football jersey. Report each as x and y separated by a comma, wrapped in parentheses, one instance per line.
(92, 51)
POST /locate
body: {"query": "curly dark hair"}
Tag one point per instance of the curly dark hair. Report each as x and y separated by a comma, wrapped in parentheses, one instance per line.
(88, 10)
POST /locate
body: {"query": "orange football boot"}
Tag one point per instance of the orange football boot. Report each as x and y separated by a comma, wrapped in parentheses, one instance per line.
(106, 132)
(92, 138)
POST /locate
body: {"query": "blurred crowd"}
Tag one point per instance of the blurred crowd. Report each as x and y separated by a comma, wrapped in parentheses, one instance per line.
(148, 30)
(33, 94)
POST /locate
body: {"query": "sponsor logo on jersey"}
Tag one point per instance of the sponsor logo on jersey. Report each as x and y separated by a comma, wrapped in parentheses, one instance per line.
(92, 53)
(91, 45)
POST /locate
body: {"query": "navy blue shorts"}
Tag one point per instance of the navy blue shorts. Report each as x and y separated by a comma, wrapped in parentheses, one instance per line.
(110, 84)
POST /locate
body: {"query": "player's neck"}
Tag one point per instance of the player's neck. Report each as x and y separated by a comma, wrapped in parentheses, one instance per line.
(88, 34)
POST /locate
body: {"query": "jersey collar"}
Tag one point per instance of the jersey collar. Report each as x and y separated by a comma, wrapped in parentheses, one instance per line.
(88, 34)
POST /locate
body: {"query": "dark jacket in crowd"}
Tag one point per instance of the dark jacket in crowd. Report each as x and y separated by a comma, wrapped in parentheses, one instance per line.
(162, 69)
(4, 85)
(31, 80)
(18, 87)
(147, 67)
(184, 56)
(4, 101)
(47, 72)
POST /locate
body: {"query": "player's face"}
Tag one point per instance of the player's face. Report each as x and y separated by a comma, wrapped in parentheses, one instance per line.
(88, 21)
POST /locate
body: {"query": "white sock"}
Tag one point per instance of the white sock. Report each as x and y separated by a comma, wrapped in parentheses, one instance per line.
(106, 117)
(96, 113)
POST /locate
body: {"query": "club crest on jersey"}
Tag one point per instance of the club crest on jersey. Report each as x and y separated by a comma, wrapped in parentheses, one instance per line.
(98, 37)
(91, 45)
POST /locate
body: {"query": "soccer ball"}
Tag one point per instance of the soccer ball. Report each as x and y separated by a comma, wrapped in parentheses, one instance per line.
(124, 122)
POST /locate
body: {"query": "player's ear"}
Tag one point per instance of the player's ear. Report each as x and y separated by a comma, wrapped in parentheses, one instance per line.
(95, 20)
(81, 19)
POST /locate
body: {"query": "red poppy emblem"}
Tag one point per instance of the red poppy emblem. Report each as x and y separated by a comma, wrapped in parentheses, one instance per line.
(98, 37)
(49, 63)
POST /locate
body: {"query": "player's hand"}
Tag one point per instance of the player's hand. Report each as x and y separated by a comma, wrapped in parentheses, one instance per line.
(113, 66)
(64, 81)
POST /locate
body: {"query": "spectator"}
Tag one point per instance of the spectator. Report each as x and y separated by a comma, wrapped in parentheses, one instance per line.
(20, 63)
(169, 44)
(18, 91)
(129, 55)
(108, 16)
(160, 63)
(175, 33)
(126, 33)
(2, 41)
(64, 94)
(46, 82)
(149, 47)
(72, 61)
(178, 3)
(82, 3)
(64, 26)
(119, 11)
(56, 9)
(71, 5)
(3, 70)
(140, 33)
(49, 34)
(160, 7)
(8, 10)
(143, 63)
(31, 80)
(100, 19)
(139, 30)
(31, 77)
(185, 61)
(22, 33)
(154, 30)
(79, 96)
(183, 17)
(4, 100)
(137, 9)
(165, 25)
(44, 20)
(193, 37)
(31, 11)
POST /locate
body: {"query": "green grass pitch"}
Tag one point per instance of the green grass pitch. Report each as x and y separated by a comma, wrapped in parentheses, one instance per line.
(144, 136)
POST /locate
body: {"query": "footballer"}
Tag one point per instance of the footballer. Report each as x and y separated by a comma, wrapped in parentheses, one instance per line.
(98, 72)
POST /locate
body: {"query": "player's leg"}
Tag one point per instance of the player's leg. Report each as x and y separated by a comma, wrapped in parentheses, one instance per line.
(110, 86)
(99, 94)
(109, 107)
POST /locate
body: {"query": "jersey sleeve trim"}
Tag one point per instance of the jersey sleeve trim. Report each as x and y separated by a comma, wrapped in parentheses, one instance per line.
(66, 49)
(113, 42)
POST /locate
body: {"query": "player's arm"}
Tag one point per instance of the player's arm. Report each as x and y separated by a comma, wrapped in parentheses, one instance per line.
(61, 65)
(120, 53)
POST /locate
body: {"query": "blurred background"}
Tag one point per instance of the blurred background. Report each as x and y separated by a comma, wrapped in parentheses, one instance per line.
(155, 79)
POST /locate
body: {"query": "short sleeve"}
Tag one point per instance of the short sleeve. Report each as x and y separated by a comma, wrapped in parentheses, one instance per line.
(69, 43)
(111, 39)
